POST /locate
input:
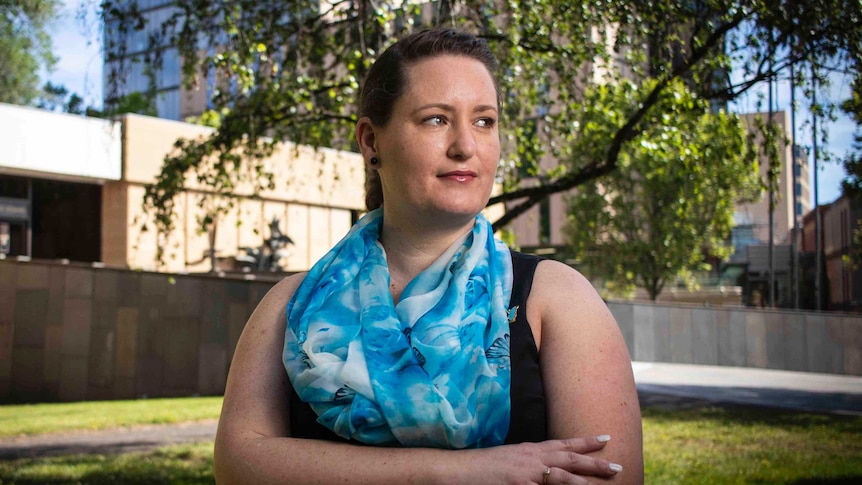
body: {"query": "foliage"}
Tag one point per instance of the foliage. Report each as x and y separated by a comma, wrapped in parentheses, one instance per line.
(672, 195)
(851, 186)
(136, 102)
(291, 70)
(58, 98)
(25, 47)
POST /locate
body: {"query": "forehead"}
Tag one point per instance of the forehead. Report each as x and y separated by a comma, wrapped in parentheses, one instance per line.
(449, 77)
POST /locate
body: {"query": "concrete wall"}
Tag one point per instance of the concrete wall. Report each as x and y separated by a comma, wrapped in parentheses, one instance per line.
(742, 337)
(74, 332)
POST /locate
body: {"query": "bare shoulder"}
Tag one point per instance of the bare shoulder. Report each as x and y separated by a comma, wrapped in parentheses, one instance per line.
(260, 344)
(584, 360)
(563, 296)
(552, 276)
(273, 304)
(256, 387)
(283, 291)
(266, 324)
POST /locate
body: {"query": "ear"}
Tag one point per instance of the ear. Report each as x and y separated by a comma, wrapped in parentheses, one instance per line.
(367, 138)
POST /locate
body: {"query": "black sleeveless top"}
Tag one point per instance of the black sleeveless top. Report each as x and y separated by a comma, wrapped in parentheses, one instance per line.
(527, 393)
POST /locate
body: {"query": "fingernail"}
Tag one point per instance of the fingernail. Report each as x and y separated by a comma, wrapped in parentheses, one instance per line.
(616, 468)
(603, 438)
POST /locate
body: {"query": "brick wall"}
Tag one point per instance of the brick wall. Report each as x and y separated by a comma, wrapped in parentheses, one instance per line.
(70, 332)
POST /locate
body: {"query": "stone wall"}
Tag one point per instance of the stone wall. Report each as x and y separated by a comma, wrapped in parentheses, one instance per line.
(73, 332)
(742, 337)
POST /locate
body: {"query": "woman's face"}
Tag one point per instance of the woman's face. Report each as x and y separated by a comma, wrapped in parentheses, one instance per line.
(439, 151)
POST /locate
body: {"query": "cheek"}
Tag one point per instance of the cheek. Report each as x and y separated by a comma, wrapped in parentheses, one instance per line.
(492, 155)
(419, 156)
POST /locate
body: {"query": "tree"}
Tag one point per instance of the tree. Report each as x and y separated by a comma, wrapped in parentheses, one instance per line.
(851, 186)
(136, 102)
(25, 47)
(58, 98)
(291, 70)
(672, 197)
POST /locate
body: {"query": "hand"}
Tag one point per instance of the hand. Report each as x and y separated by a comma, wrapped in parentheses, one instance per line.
(549, 462)
(566, 461)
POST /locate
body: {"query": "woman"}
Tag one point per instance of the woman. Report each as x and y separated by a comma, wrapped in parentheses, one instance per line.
(400, 336)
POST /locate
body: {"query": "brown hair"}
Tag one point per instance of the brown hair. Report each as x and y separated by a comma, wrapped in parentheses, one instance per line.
(386, 80)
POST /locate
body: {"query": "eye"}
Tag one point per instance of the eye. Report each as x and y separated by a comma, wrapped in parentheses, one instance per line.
(486, 122)
(435, 120)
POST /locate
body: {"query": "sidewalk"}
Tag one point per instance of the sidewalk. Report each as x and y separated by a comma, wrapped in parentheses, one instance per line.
(802, 391)
(674, 386)
(108, 441)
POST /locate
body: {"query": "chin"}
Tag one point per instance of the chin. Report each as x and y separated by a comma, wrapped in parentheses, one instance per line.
(460, 212)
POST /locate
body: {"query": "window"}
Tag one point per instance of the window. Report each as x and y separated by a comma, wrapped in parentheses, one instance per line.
(545, 221)
(168, 104)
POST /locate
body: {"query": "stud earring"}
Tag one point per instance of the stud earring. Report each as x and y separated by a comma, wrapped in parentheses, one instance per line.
(374, 161)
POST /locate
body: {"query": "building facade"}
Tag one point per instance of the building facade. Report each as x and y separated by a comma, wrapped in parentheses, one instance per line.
(841, 281)
(72, 188)
(130, 72)
(766, 268)
(792, 195)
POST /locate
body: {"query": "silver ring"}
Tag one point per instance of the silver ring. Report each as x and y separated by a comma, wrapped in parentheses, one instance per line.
(545, 475)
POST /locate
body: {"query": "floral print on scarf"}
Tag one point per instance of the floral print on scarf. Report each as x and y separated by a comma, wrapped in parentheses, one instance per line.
(432, 370)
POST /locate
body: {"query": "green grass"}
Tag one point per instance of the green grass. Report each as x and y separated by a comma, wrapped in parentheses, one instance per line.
(744, 445)
(180, 464)
(29, 419)
(732, 445)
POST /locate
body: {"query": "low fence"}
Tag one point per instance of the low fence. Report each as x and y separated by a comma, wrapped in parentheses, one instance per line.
(74, 332)
(742, 337)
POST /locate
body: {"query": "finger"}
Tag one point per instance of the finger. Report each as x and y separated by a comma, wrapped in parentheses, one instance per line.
(581, 445)
(582, 464)
(559, 476)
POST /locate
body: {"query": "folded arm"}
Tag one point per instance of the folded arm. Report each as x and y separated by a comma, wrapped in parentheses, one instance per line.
(253, 443)
(586, 368)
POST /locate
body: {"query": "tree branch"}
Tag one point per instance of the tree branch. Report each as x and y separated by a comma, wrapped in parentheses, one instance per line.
(626, 133)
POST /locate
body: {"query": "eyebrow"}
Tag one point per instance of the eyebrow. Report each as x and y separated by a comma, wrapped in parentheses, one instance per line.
(448, 107)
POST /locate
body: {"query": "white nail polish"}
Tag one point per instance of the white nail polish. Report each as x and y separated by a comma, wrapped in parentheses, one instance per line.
(616, 468)
(603, 438)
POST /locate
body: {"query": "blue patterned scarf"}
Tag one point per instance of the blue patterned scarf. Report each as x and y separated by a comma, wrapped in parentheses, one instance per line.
(432, 370)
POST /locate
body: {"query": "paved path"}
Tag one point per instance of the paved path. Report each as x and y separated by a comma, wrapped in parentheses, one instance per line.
(109, 441)
(803, 391)
(664, 385)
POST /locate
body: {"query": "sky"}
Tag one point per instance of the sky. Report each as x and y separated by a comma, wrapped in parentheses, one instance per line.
(77, 44)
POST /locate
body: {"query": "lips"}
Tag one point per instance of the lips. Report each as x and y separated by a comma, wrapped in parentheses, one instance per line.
(459, 175)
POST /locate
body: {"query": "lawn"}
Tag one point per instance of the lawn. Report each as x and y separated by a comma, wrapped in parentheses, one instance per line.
(179, 464)
(750, 445)
(713, 445)
(29, 419)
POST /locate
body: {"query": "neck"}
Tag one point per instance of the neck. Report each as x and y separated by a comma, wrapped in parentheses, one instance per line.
(411, 248)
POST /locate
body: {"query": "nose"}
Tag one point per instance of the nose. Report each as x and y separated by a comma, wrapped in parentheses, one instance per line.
(462, 146)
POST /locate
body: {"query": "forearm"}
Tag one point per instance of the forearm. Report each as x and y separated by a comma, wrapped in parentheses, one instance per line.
(251, 458)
